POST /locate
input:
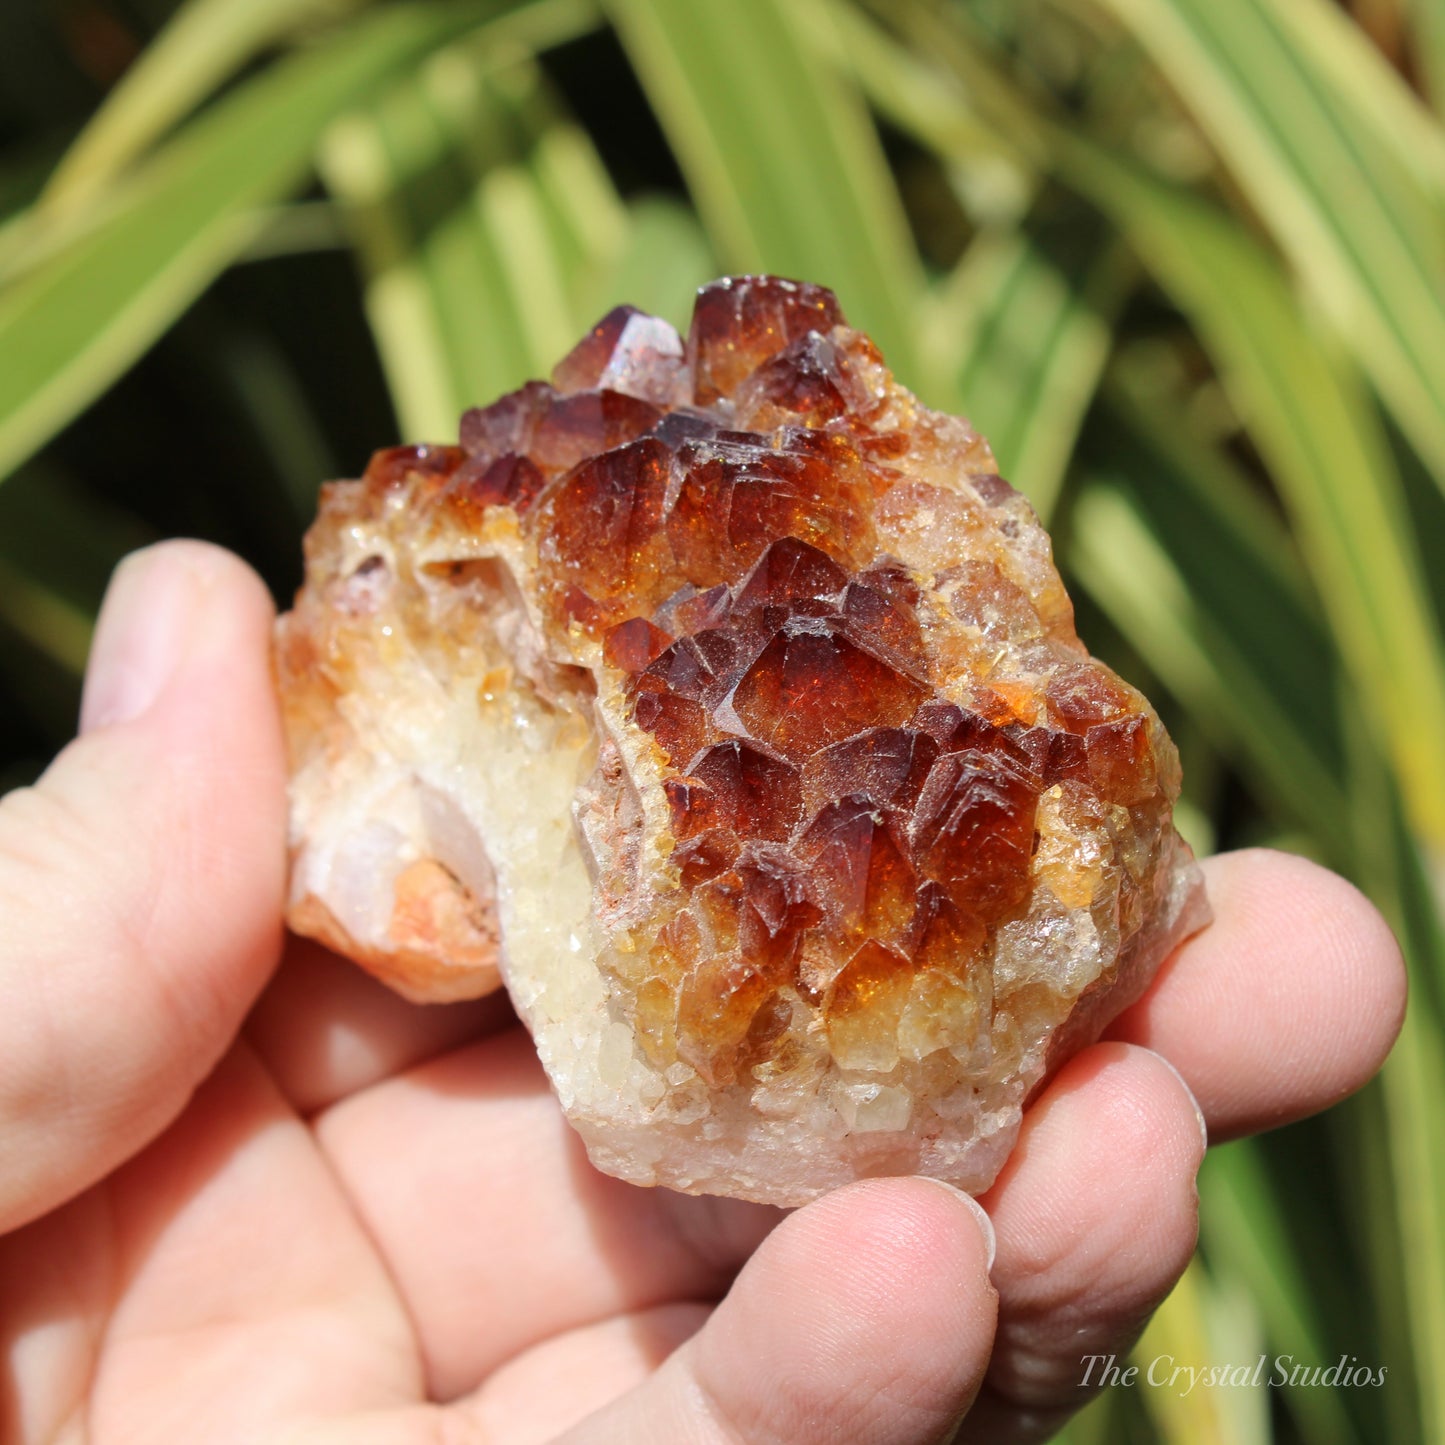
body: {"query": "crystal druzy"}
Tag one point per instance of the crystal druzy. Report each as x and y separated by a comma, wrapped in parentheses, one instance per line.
(725, 702)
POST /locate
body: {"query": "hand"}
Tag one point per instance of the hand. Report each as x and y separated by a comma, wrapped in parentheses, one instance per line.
(251, 1202)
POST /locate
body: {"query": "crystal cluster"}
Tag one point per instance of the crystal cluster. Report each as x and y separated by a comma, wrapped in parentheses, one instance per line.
(727, 701)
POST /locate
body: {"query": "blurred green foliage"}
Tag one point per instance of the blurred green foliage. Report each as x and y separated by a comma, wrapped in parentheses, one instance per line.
(1182, 260)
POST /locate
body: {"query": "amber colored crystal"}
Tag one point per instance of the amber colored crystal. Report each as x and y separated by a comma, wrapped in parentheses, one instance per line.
(864, 1008)
(627, 351)
(790, 571)
(744, 321)
(861, 870)
(883, 765)
(632, 645)
(973, 831)
(679, 724)
(395, 467)
(602, 527)
(509, 480)
(866, 828)
(811, 687)
(738, 496)
(720, 997)
(507, 424)
(739, 787)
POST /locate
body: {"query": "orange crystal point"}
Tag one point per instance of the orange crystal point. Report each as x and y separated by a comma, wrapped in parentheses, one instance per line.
(741, 322)
(863, 838)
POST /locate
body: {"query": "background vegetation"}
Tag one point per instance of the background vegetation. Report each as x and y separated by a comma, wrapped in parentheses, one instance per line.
(1182, 260)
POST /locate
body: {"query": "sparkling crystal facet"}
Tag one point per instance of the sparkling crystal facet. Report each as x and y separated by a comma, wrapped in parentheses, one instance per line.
(728, 700)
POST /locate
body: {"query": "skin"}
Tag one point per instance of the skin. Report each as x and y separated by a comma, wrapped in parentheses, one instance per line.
(247, 1194)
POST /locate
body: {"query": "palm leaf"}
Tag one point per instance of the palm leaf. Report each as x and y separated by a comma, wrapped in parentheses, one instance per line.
(1413, 1080)
(1429, 24)
(1021, 331)
(1374, 263)
(486, 224)
(1374, 92)
(1179, 1335)
(203, 45)
(665, 258)
(1195, 571)
(779, 152)
(1246, 1229)
(1165, 541)
(921, 101)
(1326, 451)
(77, 321)
(1303, 405)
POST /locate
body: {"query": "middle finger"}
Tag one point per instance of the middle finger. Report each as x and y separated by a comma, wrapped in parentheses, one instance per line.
(494, 1226)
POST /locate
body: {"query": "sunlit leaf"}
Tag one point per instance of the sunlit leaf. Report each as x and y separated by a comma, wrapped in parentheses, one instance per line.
(779, 152)
(1021, 331)
(1178, 1338)
(1351, 217)
(664, 260)
(1373, 91)
(920, 101)
(1397, 873)
(1245, 1228)
(204, 44)
(1429, 27)
(1304, 405)
(485, 222)
(1196, 574)
(294, 228)
(69, 328)
(1326, 450)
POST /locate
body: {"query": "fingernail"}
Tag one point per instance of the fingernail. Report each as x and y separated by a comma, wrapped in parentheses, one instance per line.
(985, 1224)
(1189, 1094)
(142, 635)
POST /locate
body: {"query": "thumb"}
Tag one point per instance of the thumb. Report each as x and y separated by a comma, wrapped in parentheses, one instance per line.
(866, 1315)
(141, 878)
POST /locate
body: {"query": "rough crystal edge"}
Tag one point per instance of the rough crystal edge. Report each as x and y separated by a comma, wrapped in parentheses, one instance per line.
(1178, 912)
(645, 1154)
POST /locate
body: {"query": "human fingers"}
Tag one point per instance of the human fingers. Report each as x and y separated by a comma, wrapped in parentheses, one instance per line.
(1285, 1004)
(1096, 1216)
(531, 1400)
(476, 1191)
(218, 1289)
(547, 1390)
(866, 1316)
(141, 878)
(326, 1029)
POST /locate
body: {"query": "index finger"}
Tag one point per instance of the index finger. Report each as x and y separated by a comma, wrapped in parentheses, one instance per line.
(1287, 1003)
(141, 879)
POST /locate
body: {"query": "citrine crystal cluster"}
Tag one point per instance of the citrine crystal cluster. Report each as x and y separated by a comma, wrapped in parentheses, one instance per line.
(727, 701)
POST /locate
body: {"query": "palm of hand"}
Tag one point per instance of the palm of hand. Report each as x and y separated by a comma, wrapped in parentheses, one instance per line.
(369, 1223)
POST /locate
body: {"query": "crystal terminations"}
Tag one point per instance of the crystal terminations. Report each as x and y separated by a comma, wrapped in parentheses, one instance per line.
(727, 701)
